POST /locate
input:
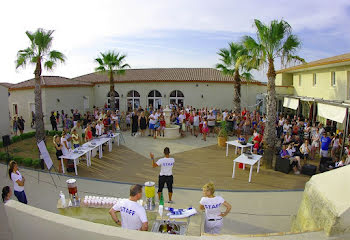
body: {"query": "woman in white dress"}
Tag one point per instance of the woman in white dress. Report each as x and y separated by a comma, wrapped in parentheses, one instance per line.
(65, 147)
(211, 204)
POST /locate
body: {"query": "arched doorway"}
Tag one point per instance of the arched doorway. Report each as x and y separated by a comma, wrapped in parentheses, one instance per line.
(133, 100)
(177, 97)
(116, 95)
(154, 99)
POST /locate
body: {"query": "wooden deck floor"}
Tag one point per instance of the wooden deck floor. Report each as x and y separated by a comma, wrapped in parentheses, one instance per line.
(192, 169)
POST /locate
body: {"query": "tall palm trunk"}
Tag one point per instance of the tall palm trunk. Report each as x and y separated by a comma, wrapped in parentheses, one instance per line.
(39, 118)
(237, 93)
(111, 91)
(270, 129)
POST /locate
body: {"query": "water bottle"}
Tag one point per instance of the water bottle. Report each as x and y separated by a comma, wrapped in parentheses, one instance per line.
(63, 199)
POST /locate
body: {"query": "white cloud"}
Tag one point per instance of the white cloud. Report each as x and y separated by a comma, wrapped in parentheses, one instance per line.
(90, 25)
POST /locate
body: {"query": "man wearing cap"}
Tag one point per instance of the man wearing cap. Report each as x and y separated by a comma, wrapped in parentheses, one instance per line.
(166, 173)
(133, 215)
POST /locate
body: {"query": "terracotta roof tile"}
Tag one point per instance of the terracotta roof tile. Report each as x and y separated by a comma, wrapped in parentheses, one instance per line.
(324, 61)
(162, 74)
(50, 81)
(6, 85)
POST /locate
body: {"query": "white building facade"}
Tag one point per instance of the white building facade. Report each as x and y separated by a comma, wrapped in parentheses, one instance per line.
(195, 87)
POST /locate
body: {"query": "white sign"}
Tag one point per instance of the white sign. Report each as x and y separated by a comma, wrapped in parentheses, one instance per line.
(45, 154)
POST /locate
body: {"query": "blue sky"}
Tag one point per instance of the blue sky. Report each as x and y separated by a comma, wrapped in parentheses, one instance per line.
(165, 33)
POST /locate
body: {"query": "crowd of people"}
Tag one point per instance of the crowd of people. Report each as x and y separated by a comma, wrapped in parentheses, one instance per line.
(298, 140)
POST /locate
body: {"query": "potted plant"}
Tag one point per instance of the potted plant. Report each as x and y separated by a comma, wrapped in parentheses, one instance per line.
(222, 136)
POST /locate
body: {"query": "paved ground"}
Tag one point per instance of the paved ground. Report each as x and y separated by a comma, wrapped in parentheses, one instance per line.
(197, 162)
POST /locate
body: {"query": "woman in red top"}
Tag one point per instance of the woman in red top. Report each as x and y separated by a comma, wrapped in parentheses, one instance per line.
(88, 133)
(257, 142)
(161, 124)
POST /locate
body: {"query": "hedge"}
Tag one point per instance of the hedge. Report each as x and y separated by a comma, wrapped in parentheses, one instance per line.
(36, 162)
(16, 139)
(18, 159)
(27, 162)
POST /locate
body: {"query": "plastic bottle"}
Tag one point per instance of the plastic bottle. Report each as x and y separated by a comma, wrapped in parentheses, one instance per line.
(161, 205)
(63, 199)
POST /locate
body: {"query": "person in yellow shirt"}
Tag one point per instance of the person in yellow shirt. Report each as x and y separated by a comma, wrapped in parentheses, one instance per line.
(75, 138)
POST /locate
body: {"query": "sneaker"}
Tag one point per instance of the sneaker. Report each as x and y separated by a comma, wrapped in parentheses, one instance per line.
(297, 173)
(170, 202)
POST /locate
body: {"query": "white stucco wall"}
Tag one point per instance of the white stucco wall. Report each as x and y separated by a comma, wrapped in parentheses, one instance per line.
(23, 99)
(4, 109)
(69, 98)
(214, 94)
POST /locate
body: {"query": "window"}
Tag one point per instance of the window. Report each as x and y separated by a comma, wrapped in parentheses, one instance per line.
(333, 79)
(133, 100)
(116, 96)
(15, 109)
(155, 99)
(177, 97)
(314, 79)
(299, 80)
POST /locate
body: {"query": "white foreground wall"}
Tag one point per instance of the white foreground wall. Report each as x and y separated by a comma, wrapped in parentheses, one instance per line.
(326, 203)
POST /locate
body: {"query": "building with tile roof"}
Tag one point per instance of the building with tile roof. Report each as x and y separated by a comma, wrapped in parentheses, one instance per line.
(197, 87)
(320, 89)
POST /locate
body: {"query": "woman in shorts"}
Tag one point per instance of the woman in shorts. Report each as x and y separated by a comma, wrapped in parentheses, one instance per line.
(315, 144)
(212, 204)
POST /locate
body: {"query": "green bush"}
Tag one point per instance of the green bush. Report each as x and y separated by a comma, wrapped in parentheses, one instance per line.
(3, 156)
(18, 159)
(36, 162)
(59, 133)
(1, 145)
(83, 135)
(27, 162)
(52, 133)
(31, 134)
(15, 139)
(47, 132)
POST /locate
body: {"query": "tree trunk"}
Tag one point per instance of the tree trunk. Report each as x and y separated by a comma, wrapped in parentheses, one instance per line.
(270, 128)
(111, 91)
(39, 118)
(237, 93)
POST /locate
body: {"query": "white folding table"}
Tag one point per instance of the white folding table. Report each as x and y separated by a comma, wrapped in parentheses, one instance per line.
(245, 160)
(75, 155)
(237, 144)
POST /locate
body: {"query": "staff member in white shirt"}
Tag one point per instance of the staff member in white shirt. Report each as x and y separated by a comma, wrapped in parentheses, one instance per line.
(211, 204)
(133, 215)
(18, 182)
(166, 173)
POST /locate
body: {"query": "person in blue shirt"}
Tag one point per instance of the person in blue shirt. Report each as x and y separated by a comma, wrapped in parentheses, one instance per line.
(325, 142)
(294, 162)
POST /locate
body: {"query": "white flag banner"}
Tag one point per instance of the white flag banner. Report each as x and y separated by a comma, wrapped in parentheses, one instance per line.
(45, 154)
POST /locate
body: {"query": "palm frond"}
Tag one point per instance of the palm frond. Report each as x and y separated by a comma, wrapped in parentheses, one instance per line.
(247, 76)
(56, 56)
(49, 65)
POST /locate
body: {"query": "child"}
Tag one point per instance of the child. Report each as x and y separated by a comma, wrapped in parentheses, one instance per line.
(205, 129)
(162, 125)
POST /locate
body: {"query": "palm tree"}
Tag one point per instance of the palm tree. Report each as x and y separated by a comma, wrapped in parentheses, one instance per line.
(234, 60)
(111, 63)
(273, 41)
(39, 52)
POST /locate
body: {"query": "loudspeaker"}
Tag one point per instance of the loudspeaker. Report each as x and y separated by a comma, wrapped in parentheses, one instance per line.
(6, 140)
(282, 165)
(308, 169)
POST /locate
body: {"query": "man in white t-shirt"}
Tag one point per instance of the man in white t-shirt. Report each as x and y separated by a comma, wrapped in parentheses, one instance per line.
(211, 123)
(133, 215)
(166, 173)
(153, 118)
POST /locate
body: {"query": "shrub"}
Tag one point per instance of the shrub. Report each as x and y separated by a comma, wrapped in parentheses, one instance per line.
(223, 130)
(15, 139)
(27, 162)
(47, 132)
(3, 156)
(18, 159)
(83, 135)
(36, 162)
(52, 133)
(31, 134)
(1, 145)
